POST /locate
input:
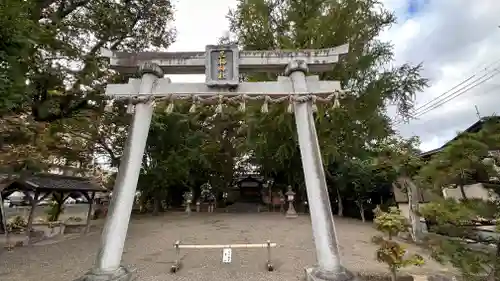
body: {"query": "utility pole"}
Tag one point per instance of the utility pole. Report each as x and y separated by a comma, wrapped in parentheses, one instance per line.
(477, 112)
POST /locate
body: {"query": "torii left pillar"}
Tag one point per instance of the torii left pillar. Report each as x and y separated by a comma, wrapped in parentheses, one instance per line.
(108, 264)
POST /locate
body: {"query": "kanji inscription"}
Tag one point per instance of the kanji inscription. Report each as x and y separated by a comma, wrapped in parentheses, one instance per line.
(222, 66)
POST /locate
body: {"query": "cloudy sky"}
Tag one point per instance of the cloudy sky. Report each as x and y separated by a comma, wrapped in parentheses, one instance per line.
(454, 39)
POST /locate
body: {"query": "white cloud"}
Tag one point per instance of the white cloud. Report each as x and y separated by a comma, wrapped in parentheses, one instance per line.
(454, 39)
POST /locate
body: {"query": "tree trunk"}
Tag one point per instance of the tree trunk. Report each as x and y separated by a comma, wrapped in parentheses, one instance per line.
(462, 192)
(495, 274)
(59, 198)
(361, 210)
(156, 205)
(413, 205)
(394, 276)
(58, 211)
(3, 218)
(29, 225)
(340, 211)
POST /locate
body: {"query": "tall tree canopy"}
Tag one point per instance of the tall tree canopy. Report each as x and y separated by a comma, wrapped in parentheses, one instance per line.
(52, 69)
(60, 61)
(366, 71)
(470, 158)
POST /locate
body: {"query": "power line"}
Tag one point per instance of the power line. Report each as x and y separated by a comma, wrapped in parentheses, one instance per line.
(458, 94)
(459, 84)
(477, 82)
(446, 93)
(447, 96)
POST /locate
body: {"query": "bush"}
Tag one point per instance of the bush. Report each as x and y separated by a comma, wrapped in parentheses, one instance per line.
(75, 219)
(459, 241)
(390, 252)
(16, 224)
(54, 211)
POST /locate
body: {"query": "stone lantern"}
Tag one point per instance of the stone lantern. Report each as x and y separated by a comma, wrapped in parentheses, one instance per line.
(225, 195)
(211, 202)
(188, 199)
(198, 203)
(290, 197)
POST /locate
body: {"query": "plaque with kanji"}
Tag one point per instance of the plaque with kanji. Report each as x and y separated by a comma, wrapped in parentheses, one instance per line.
(221, 67)
(226, 255)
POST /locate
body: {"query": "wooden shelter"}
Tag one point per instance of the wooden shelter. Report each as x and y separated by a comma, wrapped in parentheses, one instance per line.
(250, 189)
(38, 187)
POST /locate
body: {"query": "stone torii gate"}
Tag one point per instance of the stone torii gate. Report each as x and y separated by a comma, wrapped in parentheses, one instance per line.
(222, 66)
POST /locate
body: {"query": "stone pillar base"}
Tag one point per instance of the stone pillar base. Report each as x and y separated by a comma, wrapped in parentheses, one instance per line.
(121, 274)
(316, 274)
(291, 215)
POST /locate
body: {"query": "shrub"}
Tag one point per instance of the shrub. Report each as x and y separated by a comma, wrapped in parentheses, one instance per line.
(390, 252)
(16, 224)
(54, 211)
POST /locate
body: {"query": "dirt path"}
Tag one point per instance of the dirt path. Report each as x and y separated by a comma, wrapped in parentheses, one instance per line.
(149, 249)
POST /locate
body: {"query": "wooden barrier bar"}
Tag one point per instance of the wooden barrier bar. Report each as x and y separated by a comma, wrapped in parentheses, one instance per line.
(232, 246)
(178, 246)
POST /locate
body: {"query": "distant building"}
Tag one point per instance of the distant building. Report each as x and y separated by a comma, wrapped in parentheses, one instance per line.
(479, 189)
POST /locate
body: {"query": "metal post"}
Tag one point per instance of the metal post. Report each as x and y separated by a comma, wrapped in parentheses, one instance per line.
(177, 264)
(325, 239)
(269, 263)
(177, 245)
(89, 212)
(115, 229)
(270, 197)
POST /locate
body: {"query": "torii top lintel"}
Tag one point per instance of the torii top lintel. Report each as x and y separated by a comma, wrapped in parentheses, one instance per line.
(318, 60)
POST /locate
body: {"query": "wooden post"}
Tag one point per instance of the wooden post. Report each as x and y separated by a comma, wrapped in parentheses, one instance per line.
(89, 213)
(270, 197)
(4, 218)
(34, 201)
(59, 198)
(413, 206)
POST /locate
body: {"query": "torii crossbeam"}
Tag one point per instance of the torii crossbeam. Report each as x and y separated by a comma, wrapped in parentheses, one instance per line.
(222, 66)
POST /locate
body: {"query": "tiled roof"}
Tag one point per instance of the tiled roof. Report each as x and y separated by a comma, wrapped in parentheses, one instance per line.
(474, 128)
(58, 183)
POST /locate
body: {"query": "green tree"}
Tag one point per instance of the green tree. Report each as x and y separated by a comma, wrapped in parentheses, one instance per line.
(102, 133)
(466, 160)
(62, 58)
(459, 164)
(343, 132)
(173, 150)
(391, 252)
(52, 76)
(223, 144)
(18, 34)
(361, 174)
(398, 162)
(273, 145)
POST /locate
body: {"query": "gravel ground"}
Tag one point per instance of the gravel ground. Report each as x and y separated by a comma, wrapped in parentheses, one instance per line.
(149, 250)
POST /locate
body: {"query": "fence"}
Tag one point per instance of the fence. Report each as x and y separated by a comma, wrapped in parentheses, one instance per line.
(226, 252)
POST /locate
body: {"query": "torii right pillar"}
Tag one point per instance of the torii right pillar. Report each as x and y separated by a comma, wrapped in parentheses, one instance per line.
(329, 267)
